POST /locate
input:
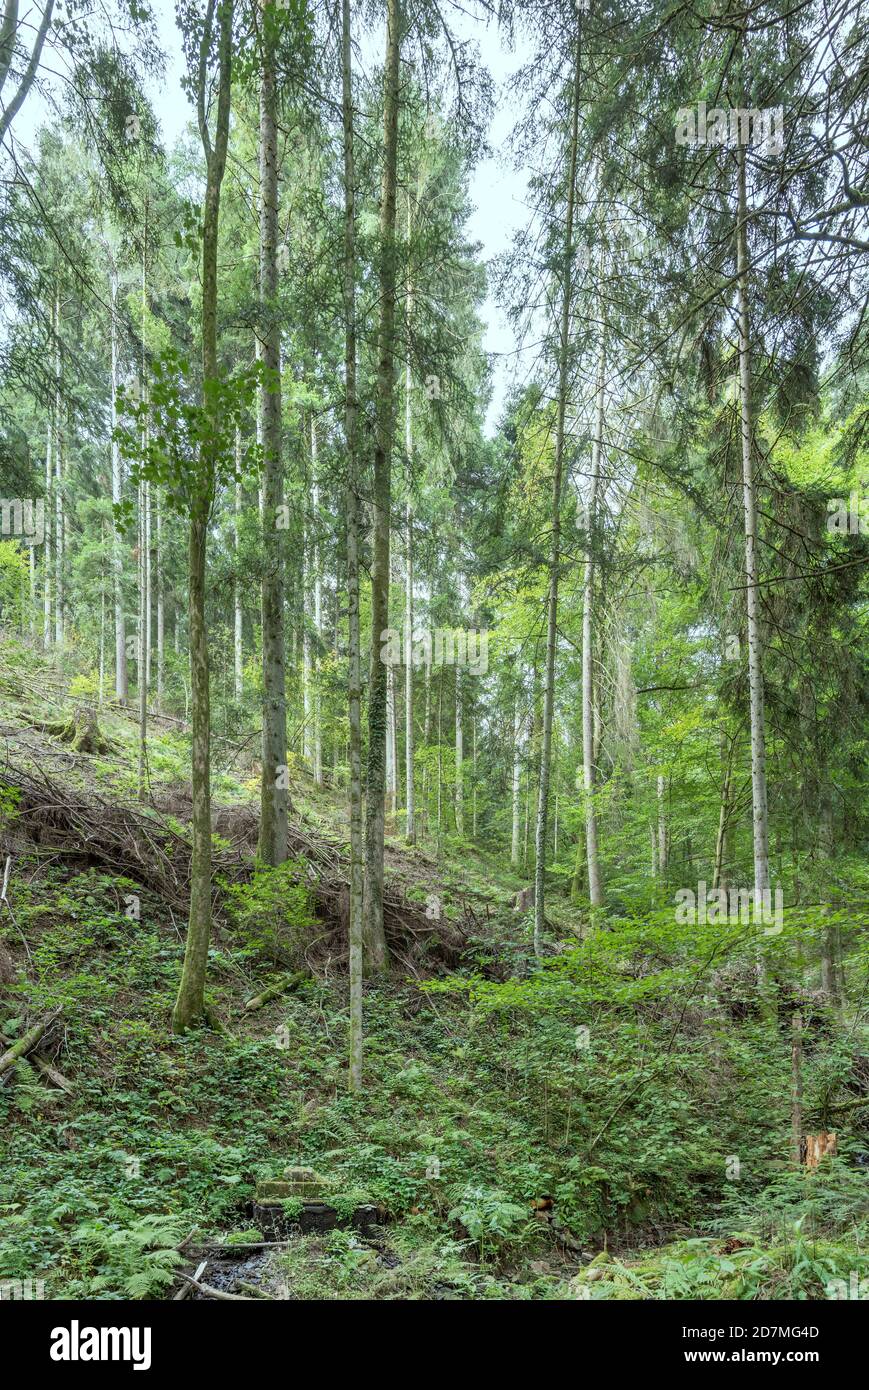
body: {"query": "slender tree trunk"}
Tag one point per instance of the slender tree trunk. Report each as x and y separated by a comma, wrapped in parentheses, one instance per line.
(190, 1004)
(663, 843)
(143, 641)
(460, 757)
(555, 525)
(797, 1090)
(749, 501)
(238, 613)
(317, 731)
(58, 476)
(46, 553)
(410, 820)
(144, 555)
(121, 681)
(161, 607)
(516, 837)
(375, 937)
(307, 664)
(31, 565)
(391, 759)
(474, 777)
(354, 673)
(719, 875)
(16, 99)
(102, 684)
(274, 799)
(440, 787)
(595, 891)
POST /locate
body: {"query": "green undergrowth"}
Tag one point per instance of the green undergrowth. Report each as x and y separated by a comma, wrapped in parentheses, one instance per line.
(602, 1098)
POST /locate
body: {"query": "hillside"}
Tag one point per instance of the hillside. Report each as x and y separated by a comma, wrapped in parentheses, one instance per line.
(612, 1121)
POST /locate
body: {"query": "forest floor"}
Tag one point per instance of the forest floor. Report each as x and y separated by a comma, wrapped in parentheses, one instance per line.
(467, 1141)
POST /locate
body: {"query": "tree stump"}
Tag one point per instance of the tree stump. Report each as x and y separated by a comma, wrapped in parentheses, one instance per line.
(818, 1146)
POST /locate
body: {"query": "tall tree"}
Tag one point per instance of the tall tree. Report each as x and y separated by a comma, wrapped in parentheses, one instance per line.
(274, 801)
(375, 935)
(354, 691)
(567, 271)
(190, 1004)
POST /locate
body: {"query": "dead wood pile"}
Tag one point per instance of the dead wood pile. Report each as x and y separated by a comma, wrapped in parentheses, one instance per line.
(151, 846)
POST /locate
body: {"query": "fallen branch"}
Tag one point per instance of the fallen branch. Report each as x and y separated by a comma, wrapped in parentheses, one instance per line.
(255, 1291)
(184, 1291)
(43, 1066)
(27, 1043)
(217, 1293)
(282, 986)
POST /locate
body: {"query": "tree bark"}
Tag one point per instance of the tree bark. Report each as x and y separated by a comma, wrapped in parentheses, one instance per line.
(121, 680)
(375, 936)
(409, 790)
(190, 1004)
(317, 731)
(555, 523)
(797, 1090)
(161, 607)
(238, 614)
(595, 890)
(755, 646)
(516, 836)
(14, 106)
(58, 480)
(460, 757)
(354, 672)
(46, 557)
(274, 799)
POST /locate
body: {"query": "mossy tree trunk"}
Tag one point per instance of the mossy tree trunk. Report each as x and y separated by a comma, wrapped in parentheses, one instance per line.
(190, 1004)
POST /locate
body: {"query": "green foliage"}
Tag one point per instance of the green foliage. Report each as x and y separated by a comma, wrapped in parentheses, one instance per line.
(272, 912)
(138, 1259)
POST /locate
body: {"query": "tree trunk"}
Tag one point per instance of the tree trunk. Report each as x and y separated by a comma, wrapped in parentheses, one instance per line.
(797, 1090)
(144, 553)
(410, 819)
(719, 873)
(144, 638)
(237, 630)
(663, 840)
(121, 682)
(409, 789)
(375, 937)
(58, 476)
(460, 757)
(190, 1004)
(161, 608)
(516, 837)
(555, 526)
(317, 732)
(755, 648)
(354, 674)
(595, 891)
(274, 798)
(391, 758)
(46, 557)
(474, 778)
